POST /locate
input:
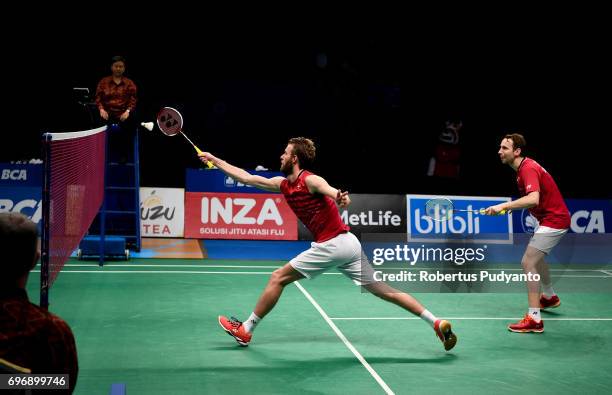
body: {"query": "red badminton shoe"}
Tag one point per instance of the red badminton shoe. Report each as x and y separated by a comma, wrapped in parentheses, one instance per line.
(549, 303)
(446, 335)
(527, 325)
(234, 328)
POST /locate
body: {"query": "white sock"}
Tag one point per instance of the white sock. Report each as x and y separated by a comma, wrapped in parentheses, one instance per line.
(428, 317)
(548, 290)
(251, 323)
(534, 312)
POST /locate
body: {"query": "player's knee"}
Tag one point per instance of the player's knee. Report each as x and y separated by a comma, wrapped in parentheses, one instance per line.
(381, 291)
(385, 296)
(278, 277)
(528, 264)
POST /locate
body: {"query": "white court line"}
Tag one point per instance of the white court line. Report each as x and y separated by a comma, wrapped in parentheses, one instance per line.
(152, 272)
(98, 269)
(200, 266)
(348, 344)
(102, 271)
(464, 318)
(276, 267)
(486, 268)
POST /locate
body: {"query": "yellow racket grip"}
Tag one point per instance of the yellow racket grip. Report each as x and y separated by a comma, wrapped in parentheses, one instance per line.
(482, 211)
(209, 164)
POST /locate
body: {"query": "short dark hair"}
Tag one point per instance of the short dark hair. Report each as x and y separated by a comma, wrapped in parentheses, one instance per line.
(305, 150)
(18, 245)
(116, 59)
(518, 141)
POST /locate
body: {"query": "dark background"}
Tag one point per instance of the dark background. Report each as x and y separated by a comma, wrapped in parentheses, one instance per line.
(375, 109)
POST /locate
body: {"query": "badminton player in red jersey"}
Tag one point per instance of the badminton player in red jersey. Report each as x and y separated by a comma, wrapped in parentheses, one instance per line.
(541, 196)
(314, 202)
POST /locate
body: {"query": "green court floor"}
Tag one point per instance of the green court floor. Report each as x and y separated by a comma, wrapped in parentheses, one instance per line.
(152, 324)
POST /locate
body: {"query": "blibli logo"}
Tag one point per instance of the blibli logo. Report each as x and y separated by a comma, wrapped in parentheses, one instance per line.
(469, 223)
(466, 225)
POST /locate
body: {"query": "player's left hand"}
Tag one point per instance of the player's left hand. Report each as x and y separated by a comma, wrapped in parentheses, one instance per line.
(342, 198)
(124, 116)
(494, 210)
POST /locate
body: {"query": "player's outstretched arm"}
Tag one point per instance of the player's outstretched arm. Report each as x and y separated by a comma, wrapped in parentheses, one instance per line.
(318, 184)
(241, 175)
(527, 201)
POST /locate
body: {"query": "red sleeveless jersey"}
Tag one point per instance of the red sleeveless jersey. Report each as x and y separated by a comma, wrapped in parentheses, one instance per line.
(317, 212)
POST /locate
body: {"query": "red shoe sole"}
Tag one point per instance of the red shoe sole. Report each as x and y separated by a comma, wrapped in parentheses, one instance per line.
(554, 306)
(526, 330)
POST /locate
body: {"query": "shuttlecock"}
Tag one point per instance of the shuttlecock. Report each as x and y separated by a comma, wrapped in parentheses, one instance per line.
(147, 125)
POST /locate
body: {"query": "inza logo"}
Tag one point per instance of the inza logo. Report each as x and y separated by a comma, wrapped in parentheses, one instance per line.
(214, 209)
(14, 174)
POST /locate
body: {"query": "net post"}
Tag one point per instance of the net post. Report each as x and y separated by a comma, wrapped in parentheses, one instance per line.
(46, 204)
(137, 182)
(103, 208)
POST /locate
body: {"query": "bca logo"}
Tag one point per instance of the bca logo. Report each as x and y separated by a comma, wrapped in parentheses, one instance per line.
(229, 182)
(584, 221)
(15, 174)
(528, 221)
(29, 207)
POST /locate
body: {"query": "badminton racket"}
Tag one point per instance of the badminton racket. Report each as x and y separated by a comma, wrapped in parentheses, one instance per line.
(441, 209)
(170, 122)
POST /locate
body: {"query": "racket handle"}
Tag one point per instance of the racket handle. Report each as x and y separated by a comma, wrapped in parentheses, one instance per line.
(209, 164)
(482, 211)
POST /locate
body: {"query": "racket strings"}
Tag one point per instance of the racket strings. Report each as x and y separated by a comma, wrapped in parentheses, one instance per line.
(439, 209)
(170, 122)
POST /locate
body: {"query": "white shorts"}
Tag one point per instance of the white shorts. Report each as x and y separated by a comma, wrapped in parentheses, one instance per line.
(343, 251)
(545, 238)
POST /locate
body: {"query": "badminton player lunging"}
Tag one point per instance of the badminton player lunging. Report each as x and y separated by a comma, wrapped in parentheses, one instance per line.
(313, 201)
(541, 196)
